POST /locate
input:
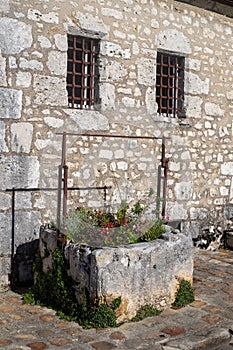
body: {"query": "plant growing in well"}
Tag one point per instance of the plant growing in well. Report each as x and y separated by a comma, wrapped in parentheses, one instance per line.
(127, 225)
(61, 296)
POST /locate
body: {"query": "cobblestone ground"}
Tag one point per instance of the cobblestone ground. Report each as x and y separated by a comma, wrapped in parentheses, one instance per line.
(207, 323)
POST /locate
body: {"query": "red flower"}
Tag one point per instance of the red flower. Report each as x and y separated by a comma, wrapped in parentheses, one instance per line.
(110, 224)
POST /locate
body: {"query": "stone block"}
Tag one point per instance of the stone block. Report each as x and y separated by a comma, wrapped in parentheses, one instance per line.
(2, 70)
(183, 190)
(174, 40)
(10, 103)
(3, 146)
(50, 91)
(5, 263)
(87, 22)
(23, 79)
(146, 72)
(143, 273)
(227, 168)
(114, 50)
(5, 233)
(193, 106)
(61, 42)
(19, 171)
(194, 85)
(35, 15)
(5, 201)
(15, 36)
(5, 6)
(108, 96)
(26, 228)
(57, 63)
(79, 119)
(213, 109)
(21, 137)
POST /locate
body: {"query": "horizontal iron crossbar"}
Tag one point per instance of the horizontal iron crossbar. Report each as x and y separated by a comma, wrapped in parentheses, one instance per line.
(113, 135)
(55, 189)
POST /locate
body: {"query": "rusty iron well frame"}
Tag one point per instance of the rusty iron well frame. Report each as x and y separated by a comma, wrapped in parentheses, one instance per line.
(63, 171)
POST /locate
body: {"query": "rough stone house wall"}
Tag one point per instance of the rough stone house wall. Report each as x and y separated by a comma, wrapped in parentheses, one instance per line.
(34, 108)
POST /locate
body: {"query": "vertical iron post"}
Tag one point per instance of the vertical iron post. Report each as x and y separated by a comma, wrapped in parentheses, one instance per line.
(164, 165)
(65, 192)
(59, 188)
(158, 199)
(65, 176)
(165, 188)
(13, 224)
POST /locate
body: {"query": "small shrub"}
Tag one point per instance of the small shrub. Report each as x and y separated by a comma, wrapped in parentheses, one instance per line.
(102, 316)
(155, 231)
(116, 303)
(184, 295)
(54, 289)
(146, 311)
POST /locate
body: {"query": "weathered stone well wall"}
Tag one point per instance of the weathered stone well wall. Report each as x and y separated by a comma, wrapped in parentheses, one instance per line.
(33, 108)
(141, 274)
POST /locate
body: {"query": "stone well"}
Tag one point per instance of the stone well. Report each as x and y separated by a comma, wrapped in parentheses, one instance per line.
(142, 274)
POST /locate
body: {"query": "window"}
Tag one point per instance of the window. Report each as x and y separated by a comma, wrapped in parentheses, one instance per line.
(82, 72)
(170, 84)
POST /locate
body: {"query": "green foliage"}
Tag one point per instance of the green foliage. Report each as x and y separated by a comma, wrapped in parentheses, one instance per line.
(54, 289)
(137, 209)
(155, 231)
(128, 225)
(102, 316)
(29, 298)
(146, 311)
(116, 303)
(185, 294)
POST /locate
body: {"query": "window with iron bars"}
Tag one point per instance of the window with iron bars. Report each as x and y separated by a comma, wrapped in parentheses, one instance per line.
(82, 72)
(170, 84)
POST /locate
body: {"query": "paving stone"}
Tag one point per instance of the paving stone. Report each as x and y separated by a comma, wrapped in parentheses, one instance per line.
(151, 335)
(34, 311)
(197, 303)
(103, 345)
(117, 335)
(24, 336)
(60, 341)
(61, 324)
(73, 331)
(4, 342)
(45, 333)
(37, 346)
(47, 318)
(13, 299)
(212, 309)
(6, 308)
(16, 316)
(85, 338)
(173, 330)
(212, 319)
(229, 299)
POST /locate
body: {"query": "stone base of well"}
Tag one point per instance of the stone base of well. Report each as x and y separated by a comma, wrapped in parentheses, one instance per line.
(141, 274)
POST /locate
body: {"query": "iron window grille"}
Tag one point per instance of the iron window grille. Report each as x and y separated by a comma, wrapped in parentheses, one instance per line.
(82, 72)
(170, 84)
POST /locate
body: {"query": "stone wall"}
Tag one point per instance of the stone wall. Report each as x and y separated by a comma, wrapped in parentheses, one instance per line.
(33, 109)
(141, 274)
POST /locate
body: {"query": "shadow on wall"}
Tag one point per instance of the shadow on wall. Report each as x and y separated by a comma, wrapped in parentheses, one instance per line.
(22, 264)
